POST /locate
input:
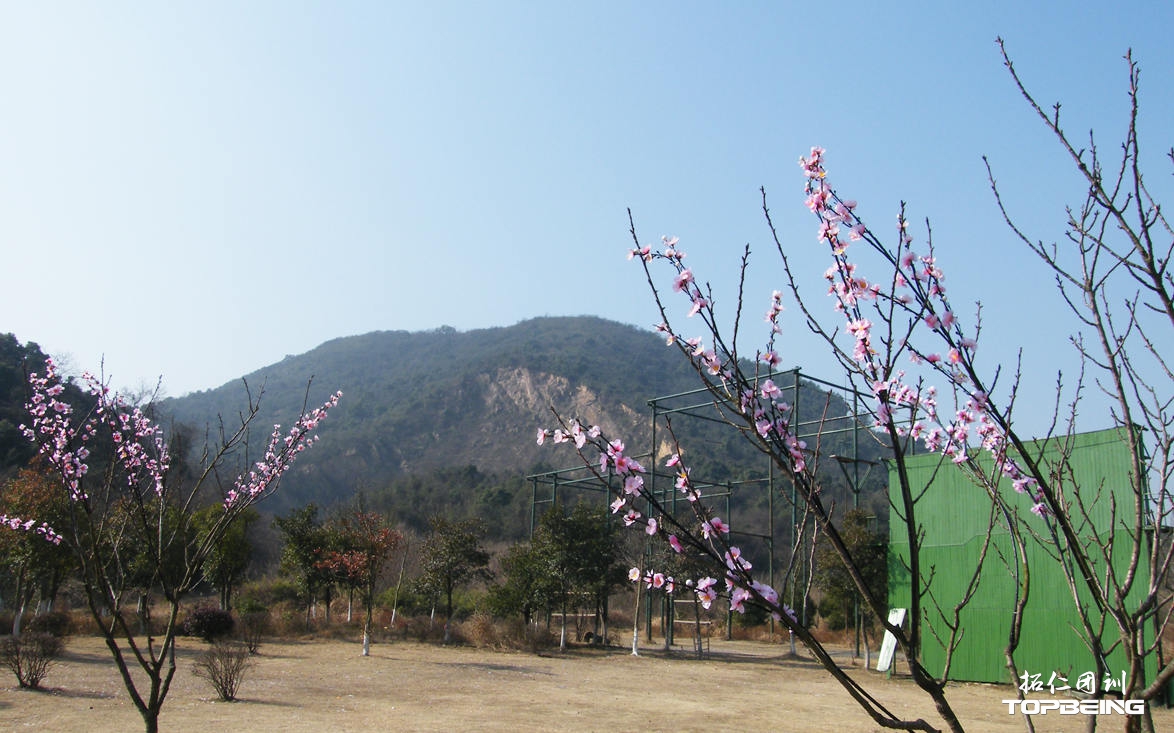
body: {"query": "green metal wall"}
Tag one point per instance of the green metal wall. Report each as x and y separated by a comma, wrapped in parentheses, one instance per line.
(955, 516)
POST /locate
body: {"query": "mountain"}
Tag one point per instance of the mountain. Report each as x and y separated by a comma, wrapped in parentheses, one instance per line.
(445, 421)
(419, 402)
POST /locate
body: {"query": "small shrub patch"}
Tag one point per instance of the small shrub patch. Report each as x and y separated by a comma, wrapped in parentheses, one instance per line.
(208, 623)
(29, 656)
(224, 665)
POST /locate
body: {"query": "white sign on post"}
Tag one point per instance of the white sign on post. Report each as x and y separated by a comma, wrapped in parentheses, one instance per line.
(889, 644)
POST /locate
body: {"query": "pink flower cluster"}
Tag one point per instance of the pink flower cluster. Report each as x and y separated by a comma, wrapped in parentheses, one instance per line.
(612, 460)
(576, 433)
(760, 399)
(138, 443)
(654, 581)
(279, 456)
(30, 525)
(917, 289)
(139, 450)
(61, 442)
(141, 458)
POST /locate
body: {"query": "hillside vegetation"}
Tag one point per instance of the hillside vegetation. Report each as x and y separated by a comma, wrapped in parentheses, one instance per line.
(443, 422)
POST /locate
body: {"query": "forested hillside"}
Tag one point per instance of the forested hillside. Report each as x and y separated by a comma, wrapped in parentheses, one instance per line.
(443, 422)
(416, 403)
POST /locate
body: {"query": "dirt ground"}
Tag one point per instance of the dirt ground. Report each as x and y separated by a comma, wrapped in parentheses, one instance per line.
(325, 685)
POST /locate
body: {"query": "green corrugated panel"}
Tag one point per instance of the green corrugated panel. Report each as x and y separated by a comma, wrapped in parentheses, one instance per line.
(955, 515)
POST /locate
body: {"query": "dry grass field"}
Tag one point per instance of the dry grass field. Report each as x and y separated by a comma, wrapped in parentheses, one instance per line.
(325, 685)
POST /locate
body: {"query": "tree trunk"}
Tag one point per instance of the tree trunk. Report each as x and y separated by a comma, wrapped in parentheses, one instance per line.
(395, 598)
(636, 623)
(143, 611)
(16, 620)
(562, 638)
(21, 602)
(603, 617)
(369, 603)
(367, 634)
(151, 720)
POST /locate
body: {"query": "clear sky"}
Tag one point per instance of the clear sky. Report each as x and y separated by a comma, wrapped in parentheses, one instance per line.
(196, 190)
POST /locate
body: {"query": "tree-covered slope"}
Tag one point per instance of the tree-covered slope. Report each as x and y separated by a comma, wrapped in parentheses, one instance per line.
(416, 402)
(444, 421)
(422, 410)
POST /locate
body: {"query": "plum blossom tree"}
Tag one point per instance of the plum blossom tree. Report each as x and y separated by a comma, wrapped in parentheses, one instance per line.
(1112, 272)
(136, 496)
(895, 332)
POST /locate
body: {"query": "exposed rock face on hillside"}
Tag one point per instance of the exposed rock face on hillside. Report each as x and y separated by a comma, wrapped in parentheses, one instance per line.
(524, 393)
(520, 390)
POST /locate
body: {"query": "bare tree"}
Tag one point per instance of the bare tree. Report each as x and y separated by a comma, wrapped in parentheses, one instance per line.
(895, 334)
(1111, 270)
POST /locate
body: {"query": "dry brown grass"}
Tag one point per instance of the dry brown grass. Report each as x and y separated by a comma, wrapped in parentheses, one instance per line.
(324, 684)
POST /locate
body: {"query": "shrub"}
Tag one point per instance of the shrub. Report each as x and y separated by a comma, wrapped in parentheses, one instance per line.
(251, 605)
(269, 592)
(481, 631)
(57, 623)
(254, 624)
(517, 634)
(287, 620)
(224, 665)
(208, 623)
(29, 656)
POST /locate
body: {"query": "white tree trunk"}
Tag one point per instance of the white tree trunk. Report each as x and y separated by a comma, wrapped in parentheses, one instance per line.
(17, 619)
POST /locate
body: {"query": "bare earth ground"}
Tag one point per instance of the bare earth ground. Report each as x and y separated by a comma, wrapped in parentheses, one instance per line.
(325, 685)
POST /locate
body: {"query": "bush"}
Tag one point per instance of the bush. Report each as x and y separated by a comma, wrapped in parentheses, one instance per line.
(419, 628)
(29, 656)
(224, 665)
(269, 592)
(517, 634)
(208, 623)
(481, 631)
(57, 623)
(254, 624)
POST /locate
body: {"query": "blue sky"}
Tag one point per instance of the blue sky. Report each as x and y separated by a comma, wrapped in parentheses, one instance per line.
(194, 191)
